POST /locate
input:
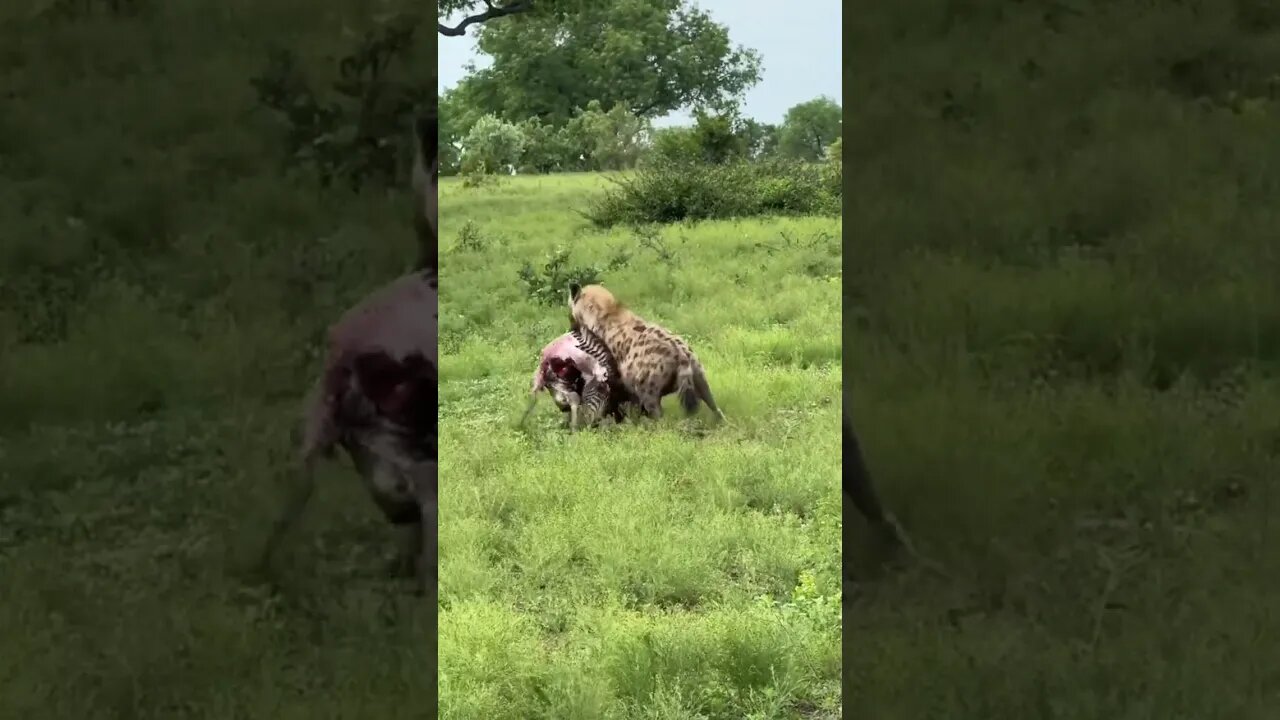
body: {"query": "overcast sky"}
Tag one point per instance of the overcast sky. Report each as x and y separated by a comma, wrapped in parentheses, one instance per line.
(801, 58)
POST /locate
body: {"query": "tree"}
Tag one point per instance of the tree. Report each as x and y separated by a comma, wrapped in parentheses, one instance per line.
(761, 138)
(809, 128)
(611, 140)
(718, 137)
(471, 17)
(652, 56)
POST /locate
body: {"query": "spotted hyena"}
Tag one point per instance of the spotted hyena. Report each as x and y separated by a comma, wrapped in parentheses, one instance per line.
(652, 362)
(376, 396)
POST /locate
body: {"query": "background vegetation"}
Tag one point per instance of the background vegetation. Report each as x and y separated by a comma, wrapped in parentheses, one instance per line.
(1062, 330)
(169, 260)
(191, 193)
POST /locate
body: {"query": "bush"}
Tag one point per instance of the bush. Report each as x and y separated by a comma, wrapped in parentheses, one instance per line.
(492, 145)
(674, 144)
(714, 139)
(549, 284)
(833, 170)
(612, 140)
(548, 149)
(667, 191)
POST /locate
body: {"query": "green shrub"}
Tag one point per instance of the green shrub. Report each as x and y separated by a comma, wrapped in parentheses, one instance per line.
(833, 170)
(669, 190)
(492, 145)
(714, 139)
(547, 285)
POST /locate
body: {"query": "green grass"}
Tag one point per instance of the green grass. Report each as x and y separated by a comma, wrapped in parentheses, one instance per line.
(667, 570)
(1063, 339)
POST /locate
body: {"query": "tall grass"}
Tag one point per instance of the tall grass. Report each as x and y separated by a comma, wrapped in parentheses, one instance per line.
(1062, 328)
(674, 569)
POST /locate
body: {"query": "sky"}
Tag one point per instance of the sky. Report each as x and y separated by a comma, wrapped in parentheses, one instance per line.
(800, 55)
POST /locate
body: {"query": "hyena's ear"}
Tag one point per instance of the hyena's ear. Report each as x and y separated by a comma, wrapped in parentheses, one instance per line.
(575, 290)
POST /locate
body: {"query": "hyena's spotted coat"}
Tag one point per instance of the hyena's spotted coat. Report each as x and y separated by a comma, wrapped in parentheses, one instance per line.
(652, 362)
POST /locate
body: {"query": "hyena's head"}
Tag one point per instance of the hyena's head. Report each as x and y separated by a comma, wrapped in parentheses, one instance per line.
(426, 175)
(591, 307)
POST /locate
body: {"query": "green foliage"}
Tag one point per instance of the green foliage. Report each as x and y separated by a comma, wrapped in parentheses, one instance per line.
(809, 128)
(650, 56)
(714, 138)
(668, 191)
(760, 138)
(674, 144)
(492, 146)
(549, 284)
(833, 168)
(452, 125)
(594, 139)
(549, 149)
(164, 289)
(718, 138)
(360, 136)
(607, 140)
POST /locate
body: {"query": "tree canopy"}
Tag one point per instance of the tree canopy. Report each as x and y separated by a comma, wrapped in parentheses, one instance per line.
(556, 56)
(474, 12)
(809, 128)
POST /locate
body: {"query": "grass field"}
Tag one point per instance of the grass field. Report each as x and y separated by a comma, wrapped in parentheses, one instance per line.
(672, 570)
(1062, 340)
(163, 288)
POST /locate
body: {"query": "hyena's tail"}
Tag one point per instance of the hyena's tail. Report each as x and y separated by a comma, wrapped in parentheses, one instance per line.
(691, 383)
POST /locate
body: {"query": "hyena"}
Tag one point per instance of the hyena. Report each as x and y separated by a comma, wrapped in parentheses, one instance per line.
(652, 362)
(582, 378)
(376, 396)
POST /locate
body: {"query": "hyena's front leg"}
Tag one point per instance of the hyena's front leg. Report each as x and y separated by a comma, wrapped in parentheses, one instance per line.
(651, 406)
